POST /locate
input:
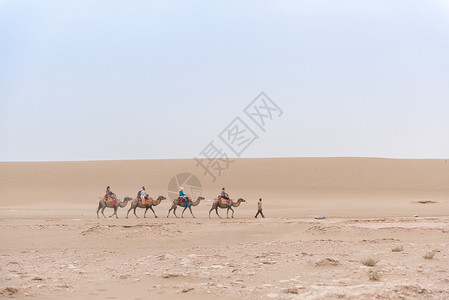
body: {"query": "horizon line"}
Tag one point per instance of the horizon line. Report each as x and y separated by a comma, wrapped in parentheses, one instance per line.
(192, 158)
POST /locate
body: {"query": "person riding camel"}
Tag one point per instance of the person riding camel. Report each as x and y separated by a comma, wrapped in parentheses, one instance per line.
(141, 194)
(147, 199)
(224, 195)
(110, 194)
(182, 195)
(108, 191)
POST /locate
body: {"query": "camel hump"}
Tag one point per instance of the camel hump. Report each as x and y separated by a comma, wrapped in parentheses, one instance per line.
(223, 200)
(147, 200)
(182, 200)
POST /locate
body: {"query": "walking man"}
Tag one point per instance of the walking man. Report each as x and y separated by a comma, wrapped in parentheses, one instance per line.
(259, 208)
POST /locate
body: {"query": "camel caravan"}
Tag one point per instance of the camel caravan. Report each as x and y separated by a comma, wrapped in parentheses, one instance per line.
(143, 200)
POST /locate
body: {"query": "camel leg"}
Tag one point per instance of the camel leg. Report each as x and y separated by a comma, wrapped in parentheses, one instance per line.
(169, 211)
(128, 212)
(174, 210)
(151, 207)
(190, 208)
(182, 215)
(144, 215)
(216, 211)
(210, 211)
(227, 213)
(135, 212)
(115, 213)
(99, 207)
(112, 214)
(102, 211)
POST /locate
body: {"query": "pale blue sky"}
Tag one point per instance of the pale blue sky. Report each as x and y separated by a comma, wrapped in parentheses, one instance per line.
(87, 80)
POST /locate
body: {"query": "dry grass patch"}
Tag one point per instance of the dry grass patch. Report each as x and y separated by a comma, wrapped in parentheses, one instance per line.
(430, 255)
(398, 249)
(374, 275)
(370, 262)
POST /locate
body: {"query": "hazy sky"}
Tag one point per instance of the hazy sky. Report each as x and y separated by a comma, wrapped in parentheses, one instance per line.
(85, 80)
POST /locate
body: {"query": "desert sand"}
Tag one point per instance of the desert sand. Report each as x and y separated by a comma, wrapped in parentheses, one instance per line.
(392, 211)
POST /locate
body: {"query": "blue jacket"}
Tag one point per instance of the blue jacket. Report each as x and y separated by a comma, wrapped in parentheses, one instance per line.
(181, 193)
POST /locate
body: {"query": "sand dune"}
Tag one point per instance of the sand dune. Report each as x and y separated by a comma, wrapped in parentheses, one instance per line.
(295, 185)
(393, 211)
(88, 179)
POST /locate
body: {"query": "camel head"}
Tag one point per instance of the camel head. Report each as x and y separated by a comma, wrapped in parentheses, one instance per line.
(197, 201)
(127, 199)
(160, 198)
(242, 200)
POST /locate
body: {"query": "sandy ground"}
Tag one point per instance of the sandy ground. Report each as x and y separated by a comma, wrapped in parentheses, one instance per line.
(395, 212)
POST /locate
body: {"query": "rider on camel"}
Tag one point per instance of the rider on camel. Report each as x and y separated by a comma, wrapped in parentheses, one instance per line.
(182, 195)
(141, 194)
(110, 194)
(224, 195)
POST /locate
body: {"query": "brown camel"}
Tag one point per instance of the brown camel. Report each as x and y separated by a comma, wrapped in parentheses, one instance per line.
(183, 204)
(136, 203)
(102, 204)
(218, 204)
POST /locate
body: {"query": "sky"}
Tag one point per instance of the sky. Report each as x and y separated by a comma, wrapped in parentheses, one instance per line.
(112, 80)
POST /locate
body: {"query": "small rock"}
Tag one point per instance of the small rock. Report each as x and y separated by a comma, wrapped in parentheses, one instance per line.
(63, 286)
(216, 267)
(327, 262)
(37, 279)
(9, 291)
(187, 290)
(320, 217)
(171, 276)
(291, 291)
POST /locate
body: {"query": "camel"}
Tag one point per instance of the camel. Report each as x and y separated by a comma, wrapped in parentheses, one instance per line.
(183, 204)
(136, 203)
(102, 204)
(217, 204)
